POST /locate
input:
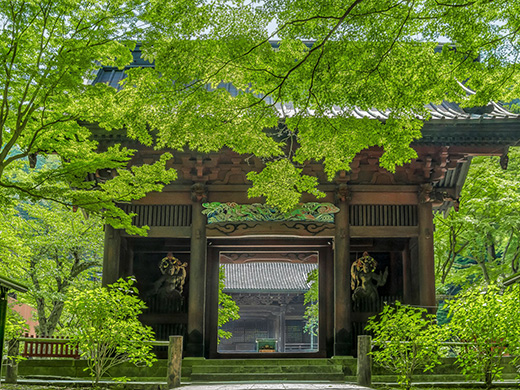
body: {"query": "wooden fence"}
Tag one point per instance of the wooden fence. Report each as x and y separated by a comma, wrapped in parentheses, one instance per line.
(56, 347)
(42, 347)
(364, 359)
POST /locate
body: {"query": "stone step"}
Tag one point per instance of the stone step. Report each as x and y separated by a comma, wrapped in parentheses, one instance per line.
(262, 377)
(264, 362)
(267, 369)
(433, 378)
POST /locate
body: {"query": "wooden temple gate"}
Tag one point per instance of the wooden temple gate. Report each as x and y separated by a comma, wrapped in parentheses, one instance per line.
(388, 215)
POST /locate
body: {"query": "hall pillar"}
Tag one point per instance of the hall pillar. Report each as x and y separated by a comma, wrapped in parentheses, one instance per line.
(111, 255)
(342, 301)
(283, 310)
(197, 274)
(426, 264)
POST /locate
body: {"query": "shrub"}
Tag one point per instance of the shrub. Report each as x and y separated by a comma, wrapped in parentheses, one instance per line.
(489, 321)
(405, 339)
(106, 328)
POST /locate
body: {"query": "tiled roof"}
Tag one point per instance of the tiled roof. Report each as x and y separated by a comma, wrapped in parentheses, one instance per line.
(444, 111)
(267, 276)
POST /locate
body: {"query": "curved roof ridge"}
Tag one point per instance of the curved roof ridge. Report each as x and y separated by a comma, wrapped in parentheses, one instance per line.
(444, 111)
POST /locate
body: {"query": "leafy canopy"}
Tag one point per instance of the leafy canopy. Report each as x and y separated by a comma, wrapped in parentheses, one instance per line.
(488, 320)
(49, 52)
(219, 81)
(480, 243)
(50, 249)
(330, 60)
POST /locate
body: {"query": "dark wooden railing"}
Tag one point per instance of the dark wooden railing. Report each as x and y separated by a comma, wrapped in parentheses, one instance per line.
(42, 347)
(48, 347)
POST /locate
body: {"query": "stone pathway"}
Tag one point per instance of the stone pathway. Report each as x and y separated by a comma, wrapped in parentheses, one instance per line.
(274, 386)
(201, 386)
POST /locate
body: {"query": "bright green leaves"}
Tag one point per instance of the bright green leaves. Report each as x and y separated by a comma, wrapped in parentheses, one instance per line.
(311, 300)
(228, 310)
(50, 53)
(199, 117)
(484, 321)
(481, 241)
(51, 249)
(107, 329)
(488, 320)
(221, 83)
(282, 184)
(337, 140)
(396, 137)
(68, 182)
(406, 339)
(15, 326)
(487, 33)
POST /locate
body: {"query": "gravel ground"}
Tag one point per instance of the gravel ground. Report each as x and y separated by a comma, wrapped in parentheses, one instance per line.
(4, 386)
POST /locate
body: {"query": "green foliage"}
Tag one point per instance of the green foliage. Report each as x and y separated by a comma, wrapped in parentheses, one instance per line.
(311, 299)
(107, 329)
(15, 325)
(328, 58)
(282, 184)
(405, 339)
(227, 307)
(51, 249)
(488, 320)
(481, 242)
(49, 52)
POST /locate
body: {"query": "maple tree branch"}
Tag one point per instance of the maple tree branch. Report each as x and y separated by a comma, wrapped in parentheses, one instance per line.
(394, 41)
(310, 52)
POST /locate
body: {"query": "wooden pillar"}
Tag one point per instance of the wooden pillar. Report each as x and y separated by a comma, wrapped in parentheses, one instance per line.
(174, 362)
(426, 266)
(13, 352)
(197, 276)
(281, 347)
(3, 318)
(111, 256)
(407, 293)
(126, 259)
(415, 283)
(364, 361)
(342, 300)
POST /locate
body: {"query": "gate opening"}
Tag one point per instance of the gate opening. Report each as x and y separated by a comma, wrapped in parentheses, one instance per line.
(277, 294)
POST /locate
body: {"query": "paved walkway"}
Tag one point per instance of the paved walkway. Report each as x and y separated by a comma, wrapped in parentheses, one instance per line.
(274, 386)
(212, 386)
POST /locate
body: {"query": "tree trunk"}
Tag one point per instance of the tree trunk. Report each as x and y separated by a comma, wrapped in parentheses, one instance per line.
(488, 379)
(484, 271)
(13, 351)
(491, 248)
(54, 317)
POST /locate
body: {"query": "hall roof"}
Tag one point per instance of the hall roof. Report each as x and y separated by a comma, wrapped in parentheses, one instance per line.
(491, 126)
(268, 276)
(444, 112)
